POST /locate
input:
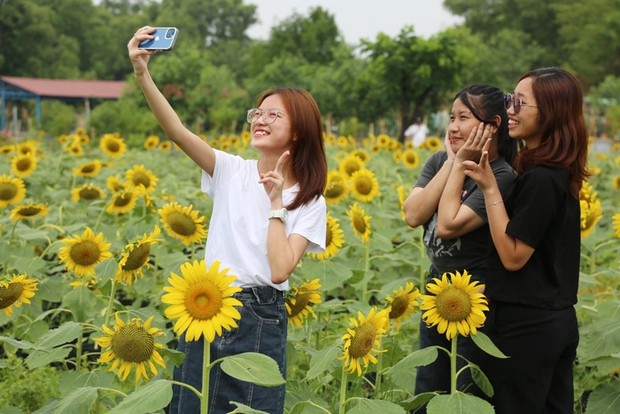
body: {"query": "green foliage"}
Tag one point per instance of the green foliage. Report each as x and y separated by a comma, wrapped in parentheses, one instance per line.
(124, 116)
(57, 118)
(27, 389)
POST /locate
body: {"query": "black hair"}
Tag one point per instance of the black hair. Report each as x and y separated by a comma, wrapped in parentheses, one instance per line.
(485, 102)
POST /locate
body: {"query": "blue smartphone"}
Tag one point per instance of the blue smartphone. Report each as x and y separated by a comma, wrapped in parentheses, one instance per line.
(163, 39)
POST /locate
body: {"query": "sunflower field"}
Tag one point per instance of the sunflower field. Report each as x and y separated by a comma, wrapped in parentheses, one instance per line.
(98, 238)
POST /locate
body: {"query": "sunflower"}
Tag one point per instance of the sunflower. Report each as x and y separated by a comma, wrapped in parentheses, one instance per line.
(375, 149)
(397, 156)
(594, 170)
(365, 185)
(89, 169)
(22, 165)
(410, 158)
(84, 252)
(12, 190)
(298, 302)
(362, 155)
(591, 214)
(360, 222)
(113, 145)
(342, 141)
(616, 182)
(360, 340)
(182, 223)
(165, 146)
(337, 187)
(7, 149)
(151, 142)
(75, 148)
(87, 192)
(140, 176)
(383, 140)
(16, 291)
(616, 224)
(131, 343)
(403, 303)
(136, 256)
(28, 211)
(350, 164)
(433, 143)
(123, 201)
(202, 301)
(333, 240)
(115, 184)
(454, 305)
(28, 147)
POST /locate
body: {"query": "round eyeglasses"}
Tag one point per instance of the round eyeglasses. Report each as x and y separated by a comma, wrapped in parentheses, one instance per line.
(269, 115)
(509, 100)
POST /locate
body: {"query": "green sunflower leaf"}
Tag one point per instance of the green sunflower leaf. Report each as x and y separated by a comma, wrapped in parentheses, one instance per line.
(42, 357)
(106, 270)
(241, 408)
(415, 359)
(67, 332)
(253, 367)
(365, 406)
(458, 403)
(322, 360)
(149, 398)
(79, 401)
(81, 301)
(485, 343)
(604, 399)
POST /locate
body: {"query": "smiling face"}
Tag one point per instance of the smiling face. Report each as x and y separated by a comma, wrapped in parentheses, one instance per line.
(525, 125)
(275, 136)
(462, 121)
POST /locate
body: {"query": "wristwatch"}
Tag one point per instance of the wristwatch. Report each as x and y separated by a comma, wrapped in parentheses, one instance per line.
(282, 214)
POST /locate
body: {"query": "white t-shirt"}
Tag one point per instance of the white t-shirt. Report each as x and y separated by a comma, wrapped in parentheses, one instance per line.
(417, 133)
(239, 221)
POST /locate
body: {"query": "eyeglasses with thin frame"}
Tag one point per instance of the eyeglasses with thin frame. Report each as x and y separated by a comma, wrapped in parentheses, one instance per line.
(269, 115)
(509, 100)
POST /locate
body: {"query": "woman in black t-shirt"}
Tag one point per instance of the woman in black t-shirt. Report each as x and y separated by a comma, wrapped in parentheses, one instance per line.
(533, 272)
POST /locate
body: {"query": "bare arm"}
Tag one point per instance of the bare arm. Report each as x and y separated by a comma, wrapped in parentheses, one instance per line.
(513, 252)
(197, 149)
(422, 202)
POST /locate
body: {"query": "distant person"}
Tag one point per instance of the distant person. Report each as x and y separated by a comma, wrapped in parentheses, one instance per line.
(416, 133)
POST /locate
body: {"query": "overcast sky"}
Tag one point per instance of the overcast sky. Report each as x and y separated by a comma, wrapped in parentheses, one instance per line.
(360, 19)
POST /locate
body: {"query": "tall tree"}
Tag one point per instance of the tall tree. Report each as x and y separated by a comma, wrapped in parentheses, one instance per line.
(414, 75)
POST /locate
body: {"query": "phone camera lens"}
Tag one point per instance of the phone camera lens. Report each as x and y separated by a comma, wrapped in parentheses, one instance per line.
(169, 33)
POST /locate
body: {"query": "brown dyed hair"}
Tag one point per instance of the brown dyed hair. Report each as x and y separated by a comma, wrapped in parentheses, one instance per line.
(564, 136)
(308, 160)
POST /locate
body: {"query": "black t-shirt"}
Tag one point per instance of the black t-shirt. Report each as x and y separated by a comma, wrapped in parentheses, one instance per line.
(545, 216)
(470, 250)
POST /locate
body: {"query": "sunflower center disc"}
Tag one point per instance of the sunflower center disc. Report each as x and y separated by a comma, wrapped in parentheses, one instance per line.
(7, 191)
(301, 301)
(203, 301)
(8, 295)
(138, 257)
(362, 342)
(363, 185)
(181, 224)
(85, 253)
(454, 304)
(133, 344)
(399, 306)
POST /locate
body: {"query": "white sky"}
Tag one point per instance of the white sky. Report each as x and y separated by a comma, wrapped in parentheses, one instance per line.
(360, 19)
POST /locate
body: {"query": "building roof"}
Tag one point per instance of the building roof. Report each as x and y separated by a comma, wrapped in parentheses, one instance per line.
(67, 89)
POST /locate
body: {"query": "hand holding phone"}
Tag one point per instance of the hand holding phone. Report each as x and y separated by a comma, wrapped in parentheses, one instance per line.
(163, 39)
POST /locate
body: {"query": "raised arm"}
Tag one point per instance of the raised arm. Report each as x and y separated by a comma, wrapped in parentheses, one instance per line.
(513, 252)
(197, 149)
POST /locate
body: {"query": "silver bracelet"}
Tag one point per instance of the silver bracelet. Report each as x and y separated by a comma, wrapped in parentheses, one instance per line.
(494, 204)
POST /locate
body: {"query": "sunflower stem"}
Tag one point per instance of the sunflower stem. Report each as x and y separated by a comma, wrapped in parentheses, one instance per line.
(343, 391)
(206, 368)
(78, 351)
(366, 269)
(108, 313)
(453, 357)
(379, 368)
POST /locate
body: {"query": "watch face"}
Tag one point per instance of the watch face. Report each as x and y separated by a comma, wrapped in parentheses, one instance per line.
(285, 214)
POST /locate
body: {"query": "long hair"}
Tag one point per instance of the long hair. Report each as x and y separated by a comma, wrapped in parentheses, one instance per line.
(564, 136)
(485, 102)
(308, 160)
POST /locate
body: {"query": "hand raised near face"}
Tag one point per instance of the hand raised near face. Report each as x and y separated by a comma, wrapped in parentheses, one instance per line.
(473, 146)
(273, 181)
